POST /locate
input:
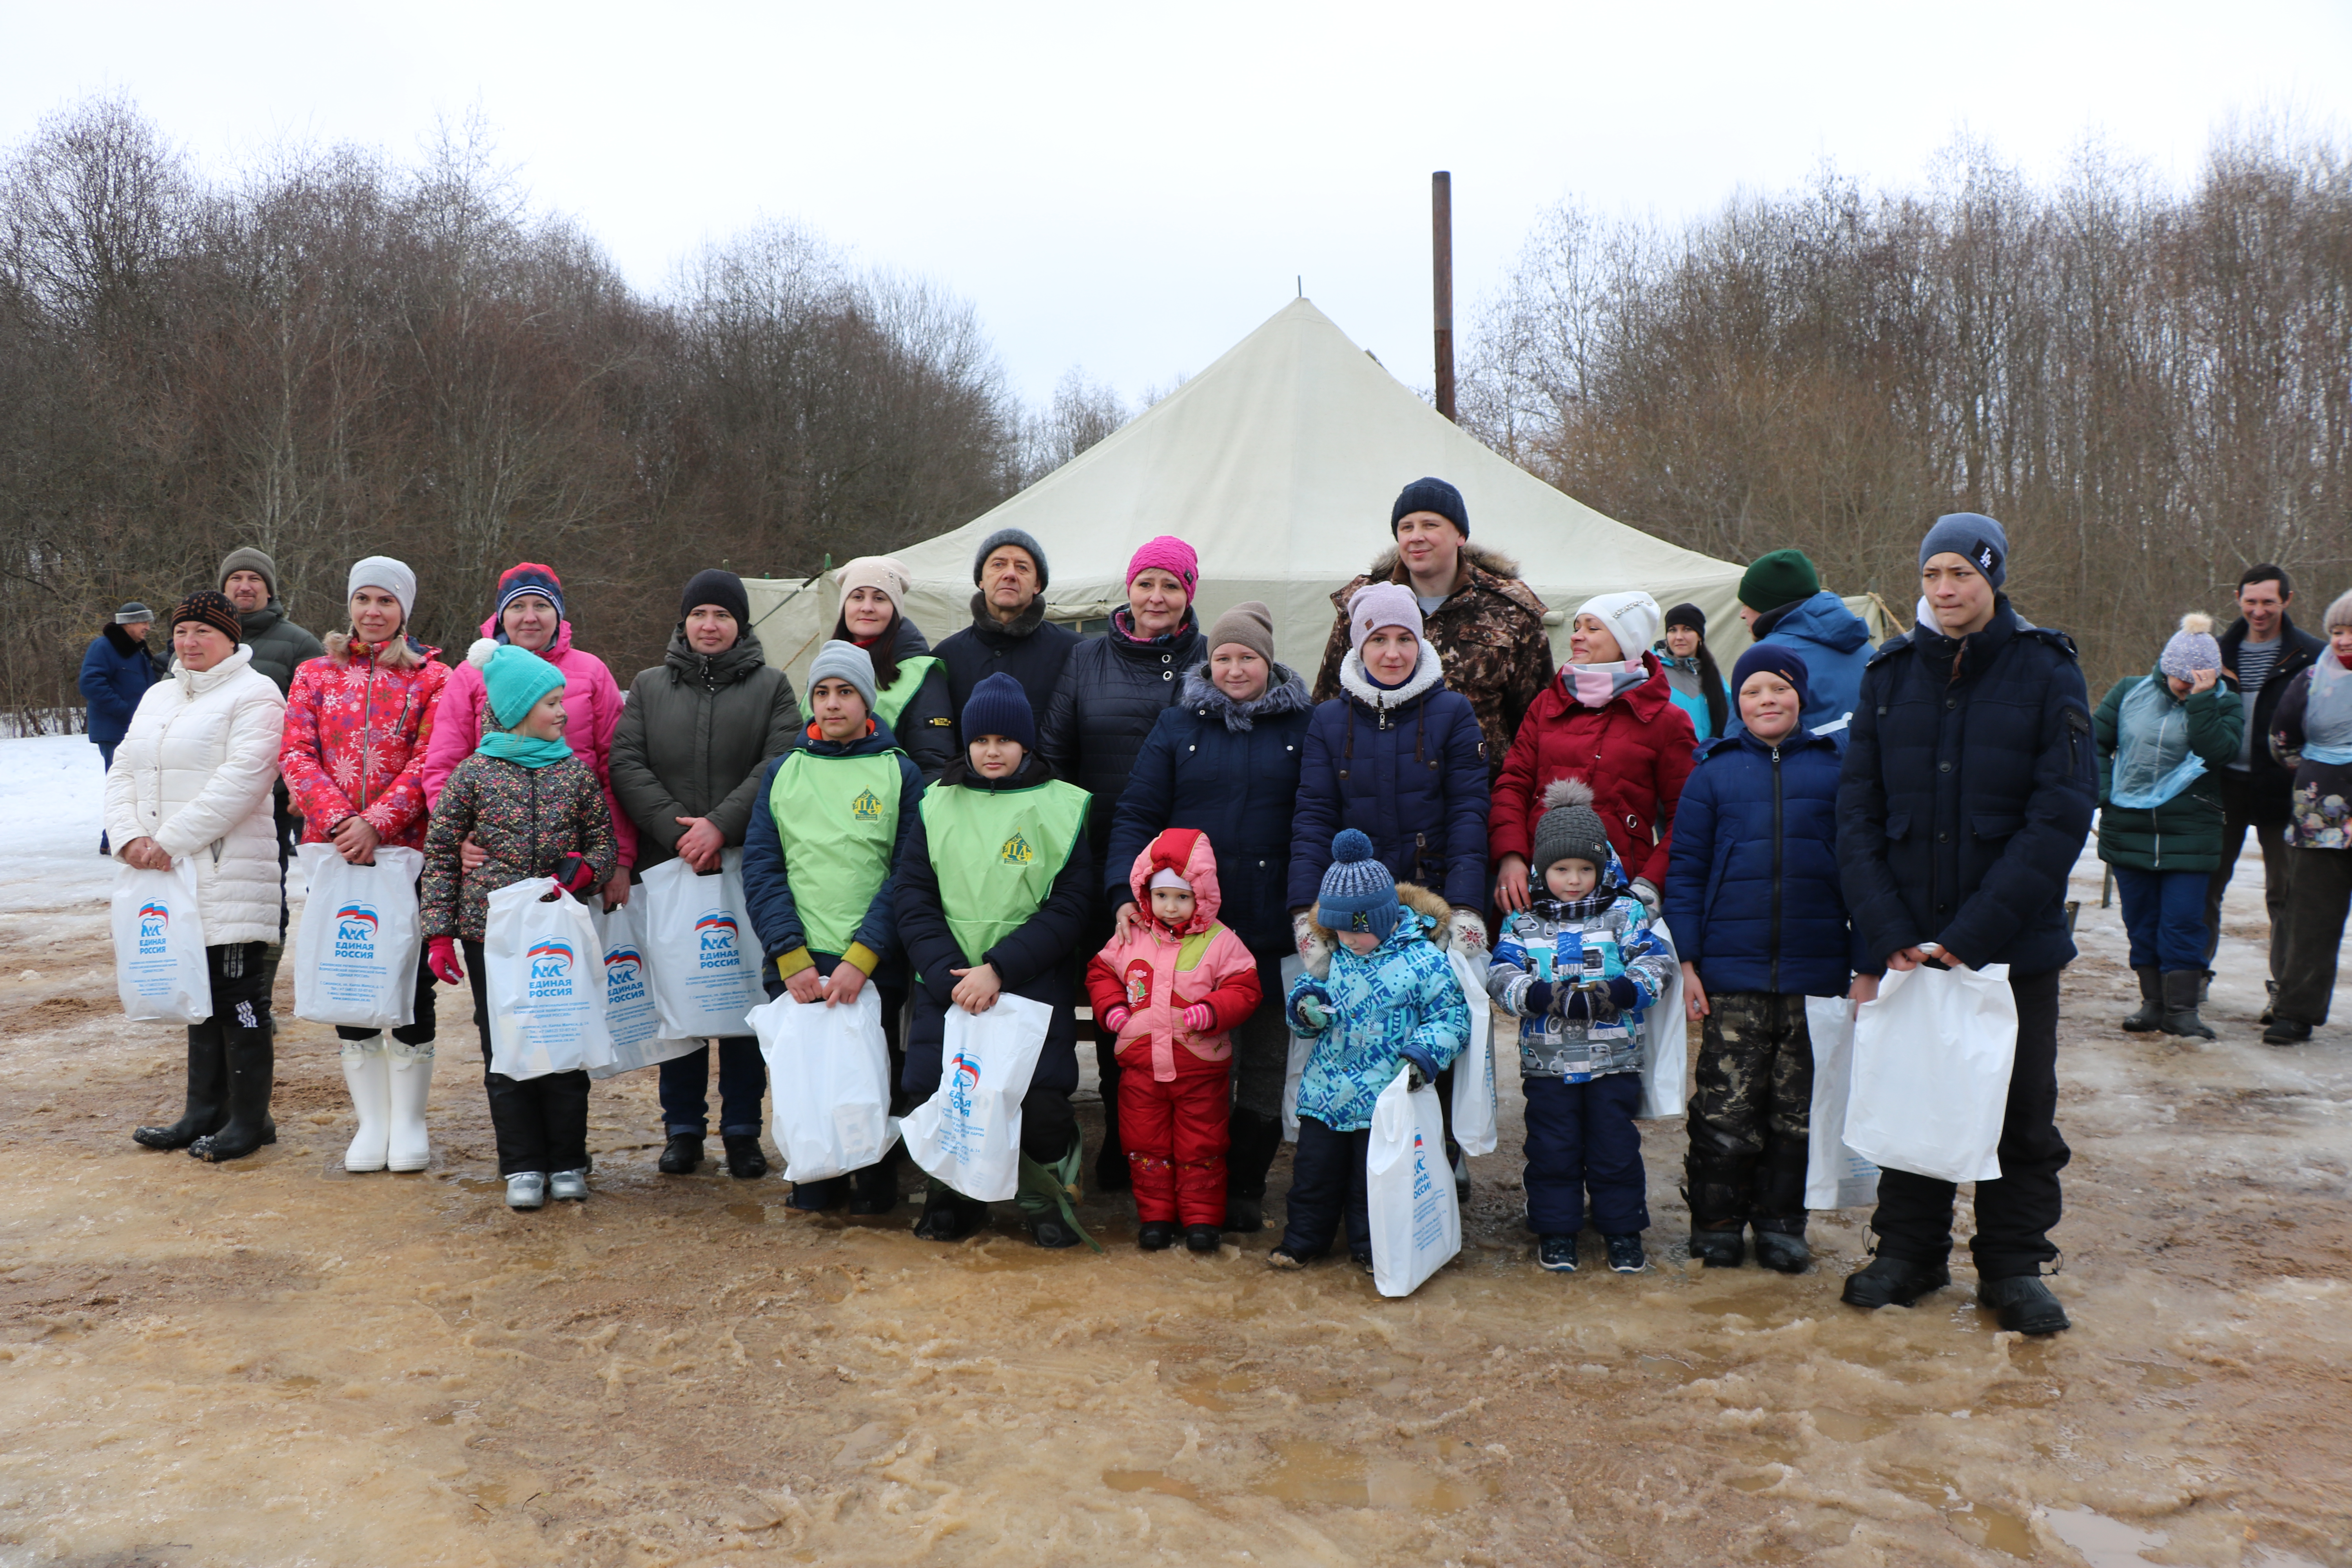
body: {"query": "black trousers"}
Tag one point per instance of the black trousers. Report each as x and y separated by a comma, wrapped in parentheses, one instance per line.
(2322, 893)
(1752, 1113)
(1326, 1186)
(419, 1030)
(541, 1122)
(2237, 816)
(2016, 1214)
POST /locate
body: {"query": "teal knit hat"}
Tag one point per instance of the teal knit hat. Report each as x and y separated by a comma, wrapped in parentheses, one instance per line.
(513, 679)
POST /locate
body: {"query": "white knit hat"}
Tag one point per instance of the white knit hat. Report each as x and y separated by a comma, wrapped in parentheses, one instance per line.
(393, 576)
(1632, 618)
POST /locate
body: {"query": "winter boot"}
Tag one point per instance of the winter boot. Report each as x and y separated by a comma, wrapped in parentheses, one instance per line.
(875, 1189)
(207, 1098)
(1782, 1251)
(409, 1147)
(1256, 1139)
(2025, 1305)
(1893, 1282)
(1721, 1247)
(2287, 1031)
(1556, 1254)
(1155, 1234)
(367, 1074)
(948, 1215)
(682, 1154)
(2150, 1017)
(1202, 1239)
(2180, 1006)
(746, 1161)
(251, 1069)
(1048, 1196)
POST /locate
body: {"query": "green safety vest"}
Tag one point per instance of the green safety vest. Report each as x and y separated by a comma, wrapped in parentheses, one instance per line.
(837, 818)
(892, 702)
(997, 854)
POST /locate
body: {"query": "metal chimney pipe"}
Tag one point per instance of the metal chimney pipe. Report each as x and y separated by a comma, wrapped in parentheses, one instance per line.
(1441, 241)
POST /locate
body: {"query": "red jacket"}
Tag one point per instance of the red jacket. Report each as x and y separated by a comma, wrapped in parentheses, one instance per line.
(356, 730)
(1636, 753)
(1157, 973)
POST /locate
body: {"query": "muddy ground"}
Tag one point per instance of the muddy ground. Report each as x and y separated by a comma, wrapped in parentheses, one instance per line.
(275, 1362)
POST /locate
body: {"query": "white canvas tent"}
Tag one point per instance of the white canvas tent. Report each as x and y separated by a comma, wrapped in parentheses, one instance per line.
(1278, 464)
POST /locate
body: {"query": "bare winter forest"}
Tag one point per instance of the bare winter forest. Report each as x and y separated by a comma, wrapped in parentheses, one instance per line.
(334, 353)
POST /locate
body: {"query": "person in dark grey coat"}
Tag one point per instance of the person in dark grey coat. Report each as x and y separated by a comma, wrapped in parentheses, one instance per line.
(693, 740)
(1110, 694)
(1009, 634)
(249, 578)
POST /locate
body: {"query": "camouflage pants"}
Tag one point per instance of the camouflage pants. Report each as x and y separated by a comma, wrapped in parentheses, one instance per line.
(1749, 1118)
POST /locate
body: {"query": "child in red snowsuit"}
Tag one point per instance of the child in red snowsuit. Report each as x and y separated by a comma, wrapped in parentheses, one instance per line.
(1172, 988)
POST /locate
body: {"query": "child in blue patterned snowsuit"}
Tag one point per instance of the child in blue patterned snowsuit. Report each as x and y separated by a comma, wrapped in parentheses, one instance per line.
(1580, 966)
(1386, 999)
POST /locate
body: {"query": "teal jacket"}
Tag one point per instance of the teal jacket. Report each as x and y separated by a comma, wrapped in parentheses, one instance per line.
(2184, 833)
(1402, 992)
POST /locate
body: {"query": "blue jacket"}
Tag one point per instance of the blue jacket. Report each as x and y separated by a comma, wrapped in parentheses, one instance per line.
(1231, 770)
(1964, 801)
(768, 884)
(115, 674)
(1407, 768)
(1752, 893)
(1402, 993)
(1834, 645)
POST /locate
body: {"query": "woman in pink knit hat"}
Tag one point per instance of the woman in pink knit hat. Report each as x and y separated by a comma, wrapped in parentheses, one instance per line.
(1112, 690)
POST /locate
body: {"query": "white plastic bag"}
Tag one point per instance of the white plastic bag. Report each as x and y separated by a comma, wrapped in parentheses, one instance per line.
(968, 1134)
(355, 956)
(1300, 1049)
(1666, 1041)
(829, 1083)
(1836, 1176)
(159, 946)
(1931, 1060)
(630, 1017)
(545, 981)
(1475, 1105)
(1416, 1225)
(694, 932)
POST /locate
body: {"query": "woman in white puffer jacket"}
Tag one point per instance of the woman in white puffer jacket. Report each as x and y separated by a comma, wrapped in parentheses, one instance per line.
(192, 781)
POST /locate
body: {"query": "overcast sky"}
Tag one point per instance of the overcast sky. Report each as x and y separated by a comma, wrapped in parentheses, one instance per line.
(1130, 189)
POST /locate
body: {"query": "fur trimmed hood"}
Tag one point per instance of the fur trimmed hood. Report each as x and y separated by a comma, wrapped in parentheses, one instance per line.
(1414, 897)
(1285, 692)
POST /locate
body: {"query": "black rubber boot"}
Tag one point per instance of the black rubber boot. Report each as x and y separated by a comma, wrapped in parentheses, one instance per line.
(2024, 1304)
(208, 1100)
(2150, 1017)
(1202, 1239)
(948, 1215)
(251, 1071)
(1783, 1252)
(682, 1155)
(875, 1189)
(2180, 1006)
(1155, 1234)
(1256, 1139)
(1722, 1248)
(1893, 1282)
(746, 1160)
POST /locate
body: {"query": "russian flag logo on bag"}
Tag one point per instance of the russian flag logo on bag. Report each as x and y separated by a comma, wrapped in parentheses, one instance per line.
(714, 938)
(154, 926)
(356, 929)
(550, 967)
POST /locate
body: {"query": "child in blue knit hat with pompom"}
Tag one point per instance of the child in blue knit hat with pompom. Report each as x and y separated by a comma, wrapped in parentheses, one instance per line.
(1382, 998)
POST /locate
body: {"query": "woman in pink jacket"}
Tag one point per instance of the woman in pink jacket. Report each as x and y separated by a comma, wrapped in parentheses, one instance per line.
(529, 615)
(1172, 989)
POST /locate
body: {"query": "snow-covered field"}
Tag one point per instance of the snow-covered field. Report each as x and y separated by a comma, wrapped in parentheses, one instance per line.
(276, 1362)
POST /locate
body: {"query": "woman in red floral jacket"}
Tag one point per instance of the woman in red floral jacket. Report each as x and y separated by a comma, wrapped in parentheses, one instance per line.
(357, 722)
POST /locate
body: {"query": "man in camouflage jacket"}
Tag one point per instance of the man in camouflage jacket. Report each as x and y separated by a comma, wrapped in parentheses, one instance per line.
(1488, 630)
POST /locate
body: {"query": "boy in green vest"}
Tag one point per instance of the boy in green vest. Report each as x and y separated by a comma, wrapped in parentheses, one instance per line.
(994, 895)
(830, 822)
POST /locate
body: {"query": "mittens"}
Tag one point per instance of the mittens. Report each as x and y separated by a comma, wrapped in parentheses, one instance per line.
(1116, 1019)
(441, 957)
(1200, 1018)
(1537, 1001)
(576, 874)
(1423, 1065)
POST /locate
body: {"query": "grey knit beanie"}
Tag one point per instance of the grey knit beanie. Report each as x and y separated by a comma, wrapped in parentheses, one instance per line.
(1569, 829)
(2192, 648)
(1015, 536)
(839, 660)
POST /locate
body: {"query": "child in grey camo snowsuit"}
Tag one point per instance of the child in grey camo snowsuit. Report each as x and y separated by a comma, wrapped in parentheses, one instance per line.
(1579, 967)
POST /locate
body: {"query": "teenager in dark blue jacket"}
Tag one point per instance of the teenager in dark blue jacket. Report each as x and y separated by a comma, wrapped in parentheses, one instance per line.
(1753, 899)
(1968, 790)
(1225, 760)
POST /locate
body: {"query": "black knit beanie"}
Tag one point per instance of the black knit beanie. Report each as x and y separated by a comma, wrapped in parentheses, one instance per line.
(1430, 495)
(713, 587)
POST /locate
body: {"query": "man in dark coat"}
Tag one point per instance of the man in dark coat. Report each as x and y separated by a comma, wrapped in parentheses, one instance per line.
(1487, 626)
(116, 671)
(2261, 653)
(249, 578)
(1965, 796)
(1009, 631)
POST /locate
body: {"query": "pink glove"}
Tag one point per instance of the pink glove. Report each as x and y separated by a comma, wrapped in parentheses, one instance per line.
(1200, 1018)
(1116, 1019)
(441, 957)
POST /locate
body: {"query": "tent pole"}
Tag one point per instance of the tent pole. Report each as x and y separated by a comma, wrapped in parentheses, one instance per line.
(1440, 234)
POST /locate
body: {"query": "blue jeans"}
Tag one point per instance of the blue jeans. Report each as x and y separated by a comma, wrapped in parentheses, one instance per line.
(742, 1081)
(1581, 1136)
(2164, 913)
(1327, 1187)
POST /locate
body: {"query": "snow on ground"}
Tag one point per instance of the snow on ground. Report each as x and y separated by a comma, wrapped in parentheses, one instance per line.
(52, 791)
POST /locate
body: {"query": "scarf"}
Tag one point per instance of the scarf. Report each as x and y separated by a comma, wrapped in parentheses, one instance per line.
(1599, 685)
(509, 747)
(2327, 712)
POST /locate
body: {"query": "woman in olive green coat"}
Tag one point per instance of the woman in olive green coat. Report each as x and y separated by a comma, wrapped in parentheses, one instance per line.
(2162, 737)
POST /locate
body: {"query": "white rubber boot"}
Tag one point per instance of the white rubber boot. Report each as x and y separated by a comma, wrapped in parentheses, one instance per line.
(367, 1077)
(408, 1148)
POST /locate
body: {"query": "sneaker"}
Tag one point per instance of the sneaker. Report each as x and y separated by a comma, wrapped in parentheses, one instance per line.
(571, 1185)
(1886, 1281)
(526, 1189)
(1726, 1248)
(1362, 1260)
(1556, 1253)
(1625, 1254)
(2024, 1304)
(1202, 1239)
(1155, 1234)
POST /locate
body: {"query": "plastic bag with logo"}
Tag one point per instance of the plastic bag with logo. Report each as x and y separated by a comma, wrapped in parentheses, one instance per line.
(829, 1080)
(159, 946)
(1931, 1061)
(355, 956)
(1836, 1176)
(1475, 1105)
(629, 1013)
(1416, 1225)
(694, 933)
(546, 983)
(968, 1134)
(1665, 1042)
(1300, 1049)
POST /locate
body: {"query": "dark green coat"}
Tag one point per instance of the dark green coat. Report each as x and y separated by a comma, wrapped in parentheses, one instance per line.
(2184, 833)
(693, 740)
(278, 643)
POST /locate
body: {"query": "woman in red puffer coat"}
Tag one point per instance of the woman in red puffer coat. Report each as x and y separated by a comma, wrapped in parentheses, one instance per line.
(1608, 719)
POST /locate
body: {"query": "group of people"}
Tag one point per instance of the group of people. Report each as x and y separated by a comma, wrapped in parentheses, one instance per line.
(1166, 825)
